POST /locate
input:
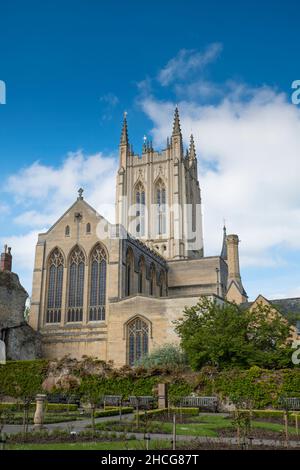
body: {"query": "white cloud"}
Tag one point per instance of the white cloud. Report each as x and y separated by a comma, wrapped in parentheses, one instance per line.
(109, 102)
(23, 248)
(248, 158)
(43, 192)
(186, 62)
(4, 209)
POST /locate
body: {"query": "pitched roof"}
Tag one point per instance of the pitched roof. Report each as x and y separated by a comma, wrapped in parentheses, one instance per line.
(288, 308)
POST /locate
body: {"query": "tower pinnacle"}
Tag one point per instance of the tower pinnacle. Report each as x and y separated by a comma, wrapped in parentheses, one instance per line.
(224, 244)
(192, 150)
(124, 134)
(176, 123)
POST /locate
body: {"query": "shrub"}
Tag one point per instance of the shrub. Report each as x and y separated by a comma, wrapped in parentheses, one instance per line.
(113, 412)
(158, 412)
(169, 355)
(61, 407)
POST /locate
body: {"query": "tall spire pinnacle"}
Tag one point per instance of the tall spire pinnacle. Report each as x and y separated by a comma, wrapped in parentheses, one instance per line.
(176, 123)
(224, 244)
(192, 150)
(124, 134)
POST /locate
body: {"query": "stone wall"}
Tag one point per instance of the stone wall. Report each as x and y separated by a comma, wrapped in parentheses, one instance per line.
(21, 341)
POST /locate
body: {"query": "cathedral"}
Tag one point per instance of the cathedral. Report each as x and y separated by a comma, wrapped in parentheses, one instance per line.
(113, 291)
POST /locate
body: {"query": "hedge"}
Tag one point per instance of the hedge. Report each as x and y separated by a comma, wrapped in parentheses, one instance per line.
(263, 388)
(157, 412)
(272, 413)
(22, 379)
(51, 407)
(61, 407)
(113, 412)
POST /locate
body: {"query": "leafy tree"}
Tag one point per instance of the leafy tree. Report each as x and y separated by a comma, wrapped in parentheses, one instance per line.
(22, 380)
(91, 391)
(224, 335)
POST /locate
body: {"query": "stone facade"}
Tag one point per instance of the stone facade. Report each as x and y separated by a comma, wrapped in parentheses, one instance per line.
(114, 291)
(20, 340)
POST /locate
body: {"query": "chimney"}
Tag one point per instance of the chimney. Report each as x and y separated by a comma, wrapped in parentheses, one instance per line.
(233, 258)
(6, 259)
(235, 290)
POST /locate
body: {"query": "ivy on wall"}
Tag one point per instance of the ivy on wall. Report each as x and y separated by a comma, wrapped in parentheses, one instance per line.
(23, 380)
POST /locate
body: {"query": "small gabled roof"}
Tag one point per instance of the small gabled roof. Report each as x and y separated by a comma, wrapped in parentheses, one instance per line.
(288, 308)
(79, 200)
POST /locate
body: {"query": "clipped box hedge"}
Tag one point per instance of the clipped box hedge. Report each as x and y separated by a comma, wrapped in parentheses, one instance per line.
(50, 407)
(61, 407)
(158, 412)
(113, 411)
(272, 413)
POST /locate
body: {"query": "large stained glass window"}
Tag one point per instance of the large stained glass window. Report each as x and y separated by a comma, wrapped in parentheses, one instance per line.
(138, 340)
(97, 284)
(55, 285)
(152, 280)
(129, 273)
(141, 276)
(140, 210)
(161, 207)
(76, 285)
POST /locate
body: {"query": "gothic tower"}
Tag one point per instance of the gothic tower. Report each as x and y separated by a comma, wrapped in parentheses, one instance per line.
(158, 195)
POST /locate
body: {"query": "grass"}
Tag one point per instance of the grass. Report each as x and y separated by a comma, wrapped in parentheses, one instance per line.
(203, 425)
(206, 426)
(129, 445)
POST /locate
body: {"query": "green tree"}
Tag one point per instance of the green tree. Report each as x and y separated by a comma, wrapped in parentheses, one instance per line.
(22, 380)
(91, 392)
(224, 335)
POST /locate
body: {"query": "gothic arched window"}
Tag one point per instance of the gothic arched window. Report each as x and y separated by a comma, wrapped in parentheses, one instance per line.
(152, 280)
(137, 339)
(160, 194)
(76, 285)
(140, 210)
(129, 272)
(162, 283)
(98, 271)
(88, 228)
(141, 275)
(55, 285)
(67, 231)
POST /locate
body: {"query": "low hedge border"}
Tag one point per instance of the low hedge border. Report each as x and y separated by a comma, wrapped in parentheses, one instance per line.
(272, 413)
(51, 407)
(157, 412)
(113, 411)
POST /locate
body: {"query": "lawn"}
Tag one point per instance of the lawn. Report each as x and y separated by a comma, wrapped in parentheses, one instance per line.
(200, 426)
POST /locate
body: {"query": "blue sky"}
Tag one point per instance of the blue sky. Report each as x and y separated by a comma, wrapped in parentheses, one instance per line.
(72, 68)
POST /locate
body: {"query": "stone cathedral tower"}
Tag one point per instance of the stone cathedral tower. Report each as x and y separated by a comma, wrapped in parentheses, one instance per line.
(158, 195)
(115, 294)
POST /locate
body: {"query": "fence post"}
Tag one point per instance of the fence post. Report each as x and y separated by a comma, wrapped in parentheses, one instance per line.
(174, 431)
(286, 428)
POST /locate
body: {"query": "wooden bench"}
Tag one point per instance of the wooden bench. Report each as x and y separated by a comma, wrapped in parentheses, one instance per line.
(142, 402)
(59, 398)
(290, 403)
(207, 403)
(112, 400)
